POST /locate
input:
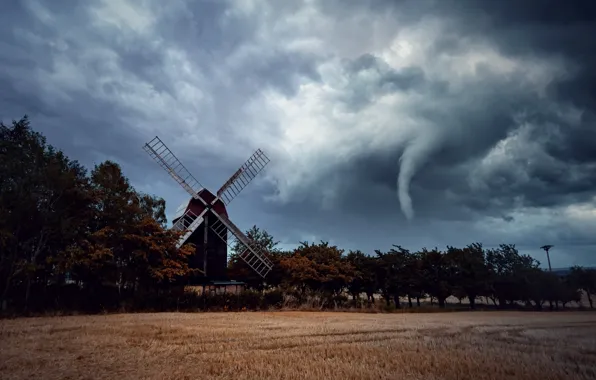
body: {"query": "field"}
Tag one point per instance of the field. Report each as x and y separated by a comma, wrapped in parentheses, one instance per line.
(301, 345)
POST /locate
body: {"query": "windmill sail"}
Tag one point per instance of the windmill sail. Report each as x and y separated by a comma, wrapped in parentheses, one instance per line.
(239, 180)
(167, 160)
(250, 252)
(188, 222)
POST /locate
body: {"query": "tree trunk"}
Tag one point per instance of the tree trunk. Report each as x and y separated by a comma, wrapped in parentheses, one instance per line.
(590, 299)
(12, 259)
(8, 280)
(418, 301)
(27, 292)
(502, 303)
(472, 299)
(4, 297)
(441, 302)
(397, 303)
(410, 301)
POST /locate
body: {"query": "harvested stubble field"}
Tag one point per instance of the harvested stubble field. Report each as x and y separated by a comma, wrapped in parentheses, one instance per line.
(301, 345)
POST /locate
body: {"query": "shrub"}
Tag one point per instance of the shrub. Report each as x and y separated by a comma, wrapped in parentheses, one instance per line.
(251, 299)
(273, 299)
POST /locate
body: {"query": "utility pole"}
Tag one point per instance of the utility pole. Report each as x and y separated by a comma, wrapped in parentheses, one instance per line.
(206, 221)
(546, 249)
(205, 232)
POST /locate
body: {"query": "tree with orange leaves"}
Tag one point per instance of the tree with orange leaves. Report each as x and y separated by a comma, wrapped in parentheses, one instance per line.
(318, 268)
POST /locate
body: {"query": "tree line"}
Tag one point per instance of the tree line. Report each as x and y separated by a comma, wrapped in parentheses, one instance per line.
(503, 276)
(61, 225)
(72, 239)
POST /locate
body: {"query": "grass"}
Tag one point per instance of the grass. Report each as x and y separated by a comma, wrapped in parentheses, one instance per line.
(301, 345)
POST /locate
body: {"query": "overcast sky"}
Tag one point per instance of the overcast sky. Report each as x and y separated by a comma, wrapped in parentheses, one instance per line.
(418, 123)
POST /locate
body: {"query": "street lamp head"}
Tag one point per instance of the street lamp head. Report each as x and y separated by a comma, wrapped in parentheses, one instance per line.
(547, 247)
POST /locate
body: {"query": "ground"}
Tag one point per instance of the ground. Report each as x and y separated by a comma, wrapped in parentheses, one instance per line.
(302, 345)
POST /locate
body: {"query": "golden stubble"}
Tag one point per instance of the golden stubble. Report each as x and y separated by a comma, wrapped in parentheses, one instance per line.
(301, 345)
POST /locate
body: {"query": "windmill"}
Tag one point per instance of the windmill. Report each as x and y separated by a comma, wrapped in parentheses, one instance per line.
(209, 211)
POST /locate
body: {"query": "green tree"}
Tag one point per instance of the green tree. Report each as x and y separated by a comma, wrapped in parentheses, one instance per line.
(584, 279)
(44, 201)
(415, 278)
(392, 274)
(470, 270)
(365, 278)
(154, 207)
(508, 274)
(568, 292)
(239, 269)
(438, 274)
(539, 287)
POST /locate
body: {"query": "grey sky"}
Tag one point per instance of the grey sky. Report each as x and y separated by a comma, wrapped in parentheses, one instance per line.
(419, 123)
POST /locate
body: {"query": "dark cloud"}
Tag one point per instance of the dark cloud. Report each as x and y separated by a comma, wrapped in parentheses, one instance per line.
(565, 172)
(551, 28)
(498, 149)
(483, 116)
(361, 91)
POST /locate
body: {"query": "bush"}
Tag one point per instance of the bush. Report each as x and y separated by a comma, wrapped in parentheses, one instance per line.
(250, 299)
(358, 303)
(189, 301)
(335, 301)
(389, 308)
(273, 299)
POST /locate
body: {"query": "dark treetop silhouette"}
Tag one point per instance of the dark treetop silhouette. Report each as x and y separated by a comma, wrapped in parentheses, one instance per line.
(73, 240)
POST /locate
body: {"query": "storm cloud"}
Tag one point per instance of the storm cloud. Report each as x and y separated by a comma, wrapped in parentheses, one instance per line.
(419, 123)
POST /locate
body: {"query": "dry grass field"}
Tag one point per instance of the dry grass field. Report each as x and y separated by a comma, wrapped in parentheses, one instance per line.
(301, 345)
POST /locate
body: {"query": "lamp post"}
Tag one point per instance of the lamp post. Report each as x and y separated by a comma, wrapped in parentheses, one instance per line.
(546, 249)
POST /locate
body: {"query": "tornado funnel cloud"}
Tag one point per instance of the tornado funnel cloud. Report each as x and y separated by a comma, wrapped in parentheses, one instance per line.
(413, 157)
(403, 187)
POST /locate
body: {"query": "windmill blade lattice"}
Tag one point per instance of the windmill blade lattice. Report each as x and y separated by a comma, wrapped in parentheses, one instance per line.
(250, 252)
(239, 180)
(188, 222)
(167, 160)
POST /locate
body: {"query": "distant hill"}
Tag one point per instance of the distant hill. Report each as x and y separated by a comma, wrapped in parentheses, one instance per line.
(565, 271)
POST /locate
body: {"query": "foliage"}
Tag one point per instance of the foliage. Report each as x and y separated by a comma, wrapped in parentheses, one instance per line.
(59, 225)
(317, 268)
(584, 279)
(237, 268)
(364, 277)
(72, 240)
